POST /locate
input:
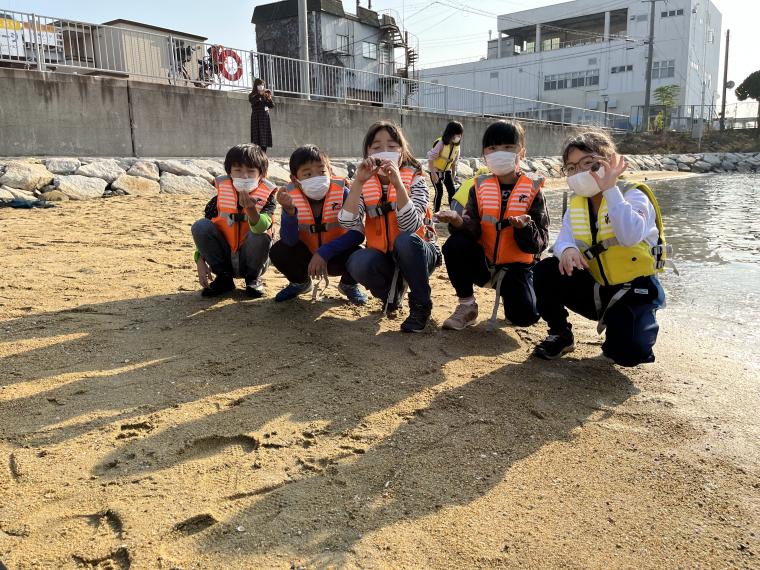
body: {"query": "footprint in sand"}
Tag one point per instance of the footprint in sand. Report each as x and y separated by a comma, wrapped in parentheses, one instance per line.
(195, 524)
(215, 444)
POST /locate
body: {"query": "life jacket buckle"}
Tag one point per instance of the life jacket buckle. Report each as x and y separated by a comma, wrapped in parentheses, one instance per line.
(594, 251)
(317, 228)
(502, 224)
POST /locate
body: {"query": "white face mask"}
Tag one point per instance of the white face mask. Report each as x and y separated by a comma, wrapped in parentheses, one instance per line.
(245, 184)
(501, 162)
(260, 88)
(584, 184)
(392, 155)
(456, 140)
(315, 187)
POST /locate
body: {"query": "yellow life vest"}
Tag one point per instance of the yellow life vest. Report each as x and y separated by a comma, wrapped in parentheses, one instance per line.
(609, 262)
(463, 194)
(447, 157)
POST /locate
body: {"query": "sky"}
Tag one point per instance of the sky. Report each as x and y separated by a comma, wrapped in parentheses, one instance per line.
(447, 34)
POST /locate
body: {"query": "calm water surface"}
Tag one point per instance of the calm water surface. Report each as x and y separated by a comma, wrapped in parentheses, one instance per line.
(713, 223)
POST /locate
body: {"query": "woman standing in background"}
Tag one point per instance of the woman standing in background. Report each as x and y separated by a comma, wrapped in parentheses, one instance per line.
(261, 101)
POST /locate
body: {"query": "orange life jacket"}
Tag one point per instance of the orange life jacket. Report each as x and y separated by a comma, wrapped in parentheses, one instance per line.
(231, 219)
(381, 226)
(309, 232)
(497, 236)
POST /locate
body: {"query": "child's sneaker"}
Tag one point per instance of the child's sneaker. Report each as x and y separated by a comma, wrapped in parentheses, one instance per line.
(354, 293)
(463, 316)
(255, 289)
(219, 286)
(293, 290)
(555, 345)
(417, 319)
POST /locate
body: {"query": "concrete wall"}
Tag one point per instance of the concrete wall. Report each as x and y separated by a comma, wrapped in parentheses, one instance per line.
(57, 114)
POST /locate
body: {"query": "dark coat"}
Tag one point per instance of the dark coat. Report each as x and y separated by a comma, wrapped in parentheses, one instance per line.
(261, 128)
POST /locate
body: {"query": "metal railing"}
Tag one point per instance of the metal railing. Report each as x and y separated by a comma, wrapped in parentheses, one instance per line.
(45, 43)
(690, 118)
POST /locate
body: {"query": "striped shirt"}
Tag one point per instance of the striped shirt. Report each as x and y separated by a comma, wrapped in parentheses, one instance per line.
(409, 218)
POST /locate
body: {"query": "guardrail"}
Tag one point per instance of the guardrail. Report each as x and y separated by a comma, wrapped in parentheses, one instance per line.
(46, 43)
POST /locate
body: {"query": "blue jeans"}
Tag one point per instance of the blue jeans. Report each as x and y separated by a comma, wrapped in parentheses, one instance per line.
(416, 260)
(251, 259)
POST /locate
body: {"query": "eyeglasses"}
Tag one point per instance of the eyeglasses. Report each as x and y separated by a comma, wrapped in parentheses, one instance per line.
(586, 163)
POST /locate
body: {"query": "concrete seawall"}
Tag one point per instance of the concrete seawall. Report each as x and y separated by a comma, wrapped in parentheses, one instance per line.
(51, 114)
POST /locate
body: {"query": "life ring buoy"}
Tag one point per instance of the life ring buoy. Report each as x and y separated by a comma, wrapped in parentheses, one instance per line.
(224, 55)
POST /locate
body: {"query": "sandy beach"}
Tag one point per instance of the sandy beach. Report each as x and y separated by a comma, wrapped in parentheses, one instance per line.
(144, 427)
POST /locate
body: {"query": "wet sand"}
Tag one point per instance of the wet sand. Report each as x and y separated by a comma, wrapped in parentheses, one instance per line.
(142, 426)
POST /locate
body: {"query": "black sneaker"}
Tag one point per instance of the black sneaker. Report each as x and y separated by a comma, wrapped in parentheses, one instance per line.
(255, 289)
(555, 345)
(219, 286)
(419, 315)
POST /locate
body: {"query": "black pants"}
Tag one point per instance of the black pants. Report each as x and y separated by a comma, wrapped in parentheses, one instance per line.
(467, 266)
(447, 179)
(631, 322)
(293, 262)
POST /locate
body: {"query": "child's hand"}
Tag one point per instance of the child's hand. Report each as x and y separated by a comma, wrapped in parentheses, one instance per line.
(435, 176)
(367, 169)
(449, 217)
(245, 200)
(286, 200)
(519, 222)
(204, 272)
(612, 171)
(317, 267)
(570, 260)
(390, 169)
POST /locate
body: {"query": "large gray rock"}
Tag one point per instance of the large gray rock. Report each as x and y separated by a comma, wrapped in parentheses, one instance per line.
(701, 166)
(464, 170)
(667, 160)
(670, 167)
(79, 187)
(108, 170)
(339, 169)
(136, 185)
(55, 196)
(278, 174)
(712, 158)
(62, 165)
(145, 169)
(126, 163)
(24, 175)
(20, 194)
(684, 167)
(183, 168)
(686, 159)
(189, 185)
(728, 166)
(213, 167)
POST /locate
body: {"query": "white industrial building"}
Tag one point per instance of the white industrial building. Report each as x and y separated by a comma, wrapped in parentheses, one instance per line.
(592, 55)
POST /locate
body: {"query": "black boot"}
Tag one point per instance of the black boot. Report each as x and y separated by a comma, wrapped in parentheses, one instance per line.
(419, 315)
(219, 286)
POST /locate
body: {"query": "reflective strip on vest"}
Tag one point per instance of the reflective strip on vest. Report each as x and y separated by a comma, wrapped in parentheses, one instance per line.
(495, 232)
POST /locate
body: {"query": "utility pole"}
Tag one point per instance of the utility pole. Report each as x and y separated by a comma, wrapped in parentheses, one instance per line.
(725, 85)
(303, 38)
(648, 93)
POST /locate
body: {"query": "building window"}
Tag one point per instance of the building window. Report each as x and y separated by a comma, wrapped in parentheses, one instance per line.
(550, 44)
(621, 69)
(663, 69)
(369, 50)
(671, 13)
(592, 61)
(571, 80)
(494, 75)
(342, 44)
